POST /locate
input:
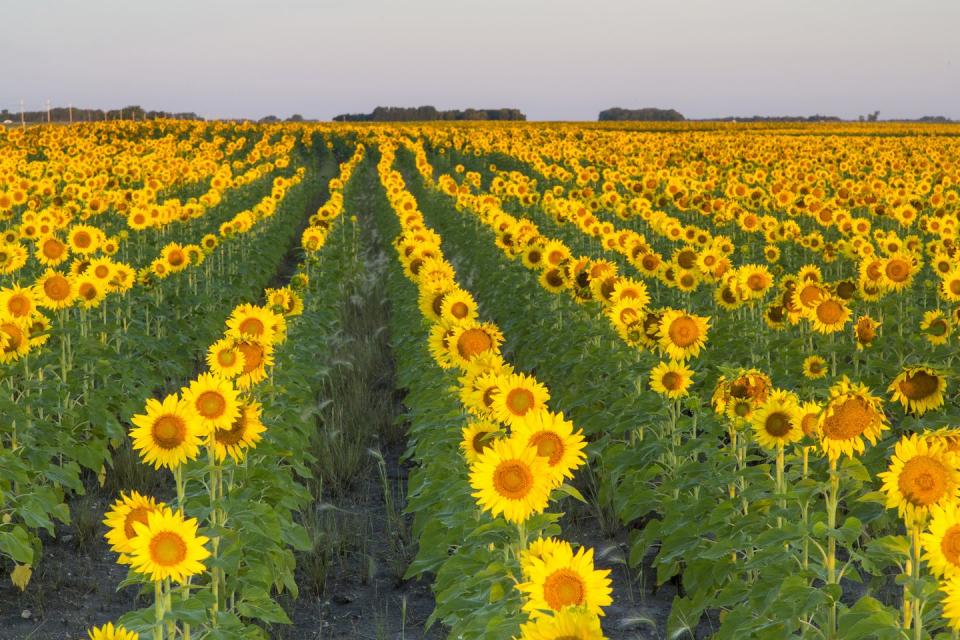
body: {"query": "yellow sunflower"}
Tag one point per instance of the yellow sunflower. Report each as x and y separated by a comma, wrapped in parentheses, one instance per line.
(829, 314)
(478, 436)
(214, 401)
(671, 379)
(808, 415)
(918, 389)
(941, 541)
(682, 335)
(168, 434)
(540, 549)
(851, 414)
(251, 321)
(516, 396)
(936, 327)
(565, 579)
(554, 439)
(470, 339)
(458, 306)
(18, 302)
(950, 285)
(951, 602)
(225, 359)
(567, 624)
(257, 358)
(55, 290)
(510, 478)
(168, 547)
(90, 291)
(110, 632)
(776, 422)
(922, 474)
(814, 367)
(14, 338)
(128, 508)
(244, 433)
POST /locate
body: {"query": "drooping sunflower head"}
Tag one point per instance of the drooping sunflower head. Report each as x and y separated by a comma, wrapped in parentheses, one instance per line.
(919, 389)
(922, 474)
(865, 331)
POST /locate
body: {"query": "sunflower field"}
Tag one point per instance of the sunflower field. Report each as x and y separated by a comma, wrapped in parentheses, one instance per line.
(689, 380)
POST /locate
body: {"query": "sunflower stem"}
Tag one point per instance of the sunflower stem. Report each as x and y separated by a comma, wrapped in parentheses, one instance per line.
(780, 484)
(918, 603)
(832, 499)
(158, 610)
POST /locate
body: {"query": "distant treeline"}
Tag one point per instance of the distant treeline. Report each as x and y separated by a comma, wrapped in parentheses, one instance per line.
(648, 114)
(63, 114)
(428, 113)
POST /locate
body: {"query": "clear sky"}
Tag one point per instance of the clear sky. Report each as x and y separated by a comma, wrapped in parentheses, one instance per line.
(553, 59)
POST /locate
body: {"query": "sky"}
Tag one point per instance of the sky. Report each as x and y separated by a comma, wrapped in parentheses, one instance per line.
(553, 59)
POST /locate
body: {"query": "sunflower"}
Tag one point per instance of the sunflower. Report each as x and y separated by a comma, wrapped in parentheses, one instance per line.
(90, 291)
(921, 474)
(477, 396)
(458, 306)
(682, 335)
(51, 251)
(478, 436)
(168, 434)
(936, 327)
(110, 632)
(439, 346)
(470, 339)
(814, 367)
(951, 602)
(430, 299)
(214, 401)
(84, 239)
(850, 415)
(54, 290)
(517, 395)
(941, 541)
(829, 314)
(168, 546)
(898, 271)
(865, 331)
(128, 508)
(14, 338)
(554, 439)
(563, 580)
(567, 624)
(243, 434)
(225, 359)
(18, 302)
(918, 389)
(671, 379)
(257, 357)
(510, 478)
(807, 417)
(251, 321)
(950, 285)
(776, 422)
(541, 549)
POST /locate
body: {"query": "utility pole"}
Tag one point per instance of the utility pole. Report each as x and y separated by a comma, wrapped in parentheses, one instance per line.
(23, 124)
(48, 110)
(71, 112)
